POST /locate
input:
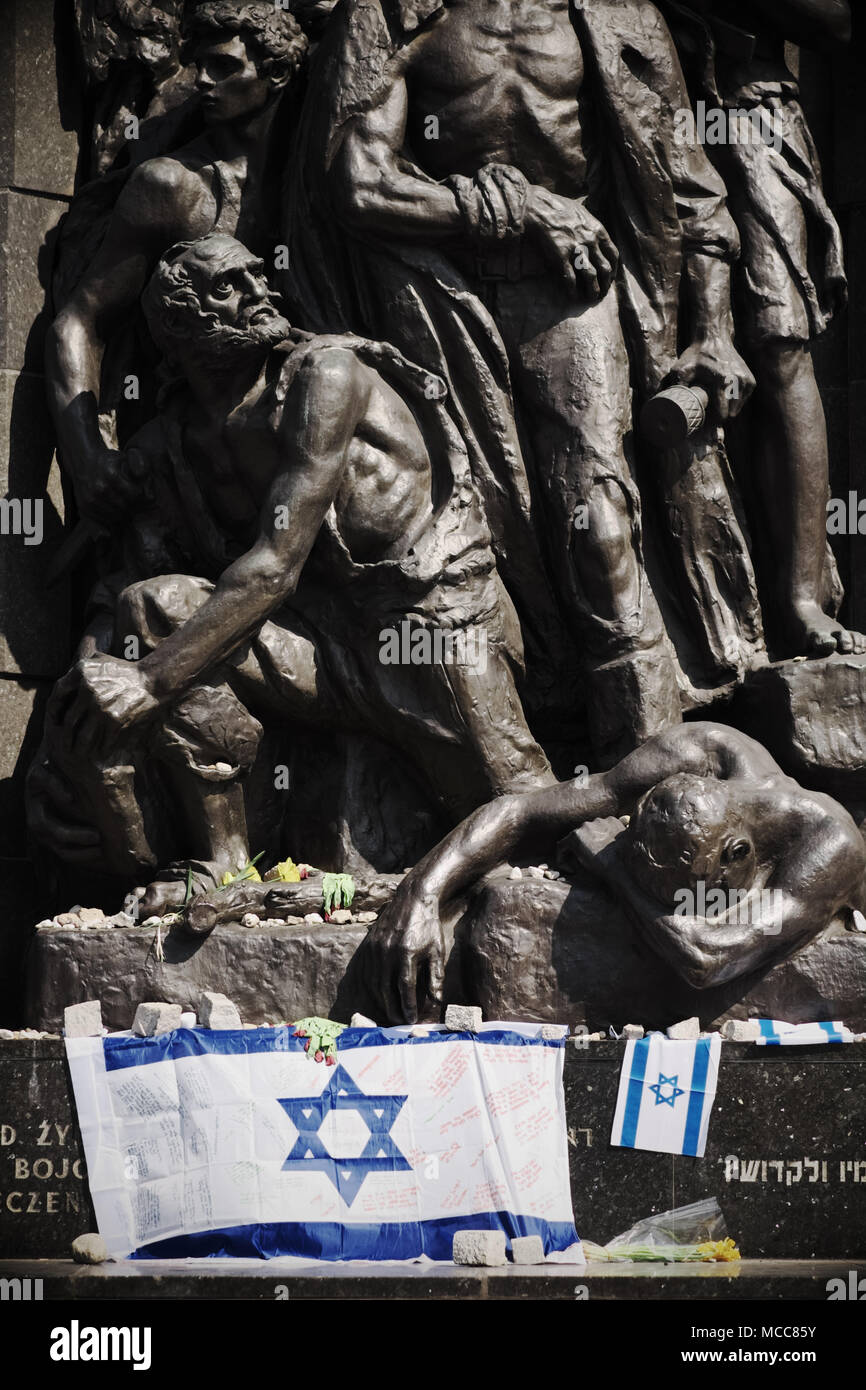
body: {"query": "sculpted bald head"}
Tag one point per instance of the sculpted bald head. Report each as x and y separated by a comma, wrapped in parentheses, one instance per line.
(688, 829)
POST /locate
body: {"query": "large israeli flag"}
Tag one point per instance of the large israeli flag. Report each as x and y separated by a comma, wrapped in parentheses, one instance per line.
(666, 1093)
(236, 1143)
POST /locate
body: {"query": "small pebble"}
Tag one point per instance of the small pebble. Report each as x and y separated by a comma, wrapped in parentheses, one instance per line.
(91, 916)
(46, 922)
(342, 916)
(535, 872)
(478, 1248)
(249, 919)
(366, 916)
(687, 1028)
(188, 1019)
(225, 768)
(553, 874)
(294, 921)
(527, 1250)
(361, 1021)
(463, 1018)
(89, 1250)
(313, 918)
(516, 873)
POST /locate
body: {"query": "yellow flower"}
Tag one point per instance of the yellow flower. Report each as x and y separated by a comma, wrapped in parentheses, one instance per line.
(719, 1250)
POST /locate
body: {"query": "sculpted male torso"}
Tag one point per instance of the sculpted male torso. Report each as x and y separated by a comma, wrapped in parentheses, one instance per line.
(503, 79)
(383, 501)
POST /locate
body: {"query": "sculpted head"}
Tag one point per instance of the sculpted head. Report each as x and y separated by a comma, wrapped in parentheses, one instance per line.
(244, 56)
(685, 830)
(208, 303)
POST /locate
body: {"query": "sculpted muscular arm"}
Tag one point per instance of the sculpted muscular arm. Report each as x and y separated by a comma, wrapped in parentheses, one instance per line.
(375, 189)
(106, 696)
(152, 212)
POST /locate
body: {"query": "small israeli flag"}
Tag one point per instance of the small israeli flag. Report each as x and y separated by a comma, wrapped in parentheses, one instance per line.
(666, 1093)
(775, 1033)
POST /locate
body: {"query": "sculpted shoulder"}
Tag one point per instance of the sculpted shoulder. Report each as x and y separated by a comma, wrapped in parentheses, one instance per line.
(163, 190)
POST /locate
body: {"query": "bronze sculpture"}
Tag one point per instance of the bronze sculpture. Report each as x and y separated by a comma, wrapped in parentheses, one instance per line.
(493, 247)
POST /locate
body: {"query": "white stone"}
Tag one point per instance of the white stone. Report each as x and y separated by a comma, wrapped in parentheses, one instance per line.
(188, 1019)
(250, 919)
(83, 1020)
(152, 922)
(362, 1021)
(91, 916)
(313, 918)
(6, 1034)
(367, 916)
(463, 1018)
(552, 874)
(293, 922)
(89, 1250)
(527, 1250)
(153, 1018)
(535, 872)
(478, 1248)
(420, 1030)
(516, 873)
(633, 1030)
(741, 1030)
(687, 1028)
(218, 1011)
(224, 768)
(67, 919)
(46, 922)
(341, 916)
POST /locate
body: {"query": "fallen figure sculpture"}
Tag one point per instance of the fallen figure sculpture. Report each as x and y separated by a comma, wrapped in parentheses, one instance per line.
(718, 861)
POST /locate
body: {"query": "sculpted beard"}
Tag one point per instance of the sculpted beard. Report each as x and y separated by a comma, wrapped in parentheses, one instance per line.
(216, 343)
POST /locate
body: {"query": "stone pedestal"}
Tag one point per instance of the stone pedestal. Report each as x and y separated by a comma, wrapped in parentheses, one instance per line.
(272, 974)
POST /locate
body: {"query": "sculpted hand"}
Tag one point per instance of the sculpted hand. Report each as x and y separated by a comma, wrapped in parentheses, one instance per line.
(573, 241)
(715, 364)
(406, 940)
(97, 702)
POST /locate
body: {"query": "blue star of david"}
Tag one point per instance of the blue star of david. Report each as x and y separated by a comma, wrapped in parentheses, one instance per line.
(675, 1090)
(380, 1153)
